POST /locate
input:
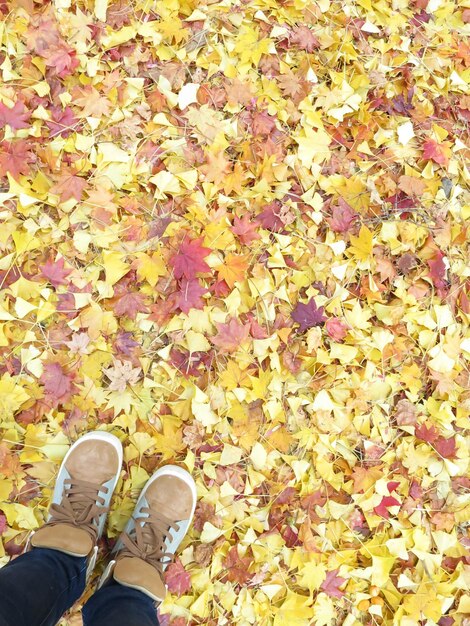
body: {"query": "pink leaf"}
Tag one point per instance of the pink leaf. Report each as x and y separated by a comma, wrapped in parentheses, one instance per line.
(3, 523)
(245, 230)
(55, 272)
(69, 186)
(188, 364)
(343, 217)
(57, 383)
(336, 328)
(231, 335)
(177, 578)
(61, 59)
(15, 157)
(63, 122)
(130, 304)
(304, 38)
(332, 583)
(189, 260)
(308, 315)
(189, 295)
(271, 216)
(263, 123)
(17, 117)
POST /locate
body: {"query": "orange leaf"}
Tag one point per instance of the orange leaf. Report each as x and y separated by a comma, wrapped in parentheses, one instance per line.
(234, 269)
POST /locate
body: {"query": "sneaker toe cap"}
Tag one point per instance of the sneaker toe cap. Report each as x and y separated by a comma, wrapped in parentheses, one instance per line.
(136, 573)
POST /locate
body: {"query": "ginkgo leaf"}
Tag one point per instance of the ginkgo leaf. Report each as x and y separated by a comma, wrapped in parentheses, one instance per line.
(236, 236)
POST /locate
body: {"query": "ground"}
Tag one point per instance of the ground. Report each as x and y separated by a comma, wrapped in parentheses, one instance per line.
(235, 234)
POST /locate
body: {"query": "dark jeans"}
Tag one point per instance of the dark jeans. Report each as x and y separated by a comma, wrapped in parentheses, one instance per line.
(39, 586)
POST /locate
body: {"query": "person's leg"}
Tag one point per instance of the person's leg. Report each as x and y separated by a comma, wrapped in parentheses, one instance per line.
(134, 579)
(117, 605)
(39, 586)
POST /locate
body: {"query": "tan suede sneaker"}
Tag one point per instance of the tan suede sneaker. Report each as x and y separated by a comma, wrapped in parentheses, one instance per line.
(148, 543)
(82, 494)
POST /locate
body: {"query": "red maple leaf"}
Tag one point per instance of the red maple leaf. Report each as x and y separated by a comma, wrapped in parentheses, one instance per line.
(446, 447)
(245, 229)
(63, 122)
(231, 335)
(426, 433)
(3, 523)
(270, 218)
(291, 537)
(189, 260)
(130, 304)
(382, 509)
(436, 152)
(189, 295)
(188, 363)
(55, 272)
(392, 485)
(332, 583)
(236, 567)
(15, 157)
(437, 270)
(57, 383)
(342, 217)
(177, 579)
(308, 315)
(256, 330)
(17, 117)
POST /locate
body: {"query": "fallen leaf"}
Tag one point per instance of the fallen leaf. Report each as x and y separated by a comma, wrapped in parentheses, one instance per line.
(332, 583)
(177, 579)
(308, 315)
(16, 117)
(189, 260)
(230, 335)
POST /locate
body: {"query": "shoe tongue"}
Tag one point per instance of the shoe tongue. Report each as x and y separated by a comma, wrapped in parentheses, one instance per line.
(138, 574)
(65, 538)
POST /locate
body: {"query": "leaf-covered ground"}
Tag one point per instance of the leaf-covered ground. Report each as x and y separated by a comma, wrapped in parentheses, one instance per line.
(235, 234)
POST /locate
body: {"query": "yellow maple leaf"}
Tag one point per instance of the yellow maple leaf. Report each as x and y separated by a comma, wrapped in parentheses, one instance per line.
(361, 246)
